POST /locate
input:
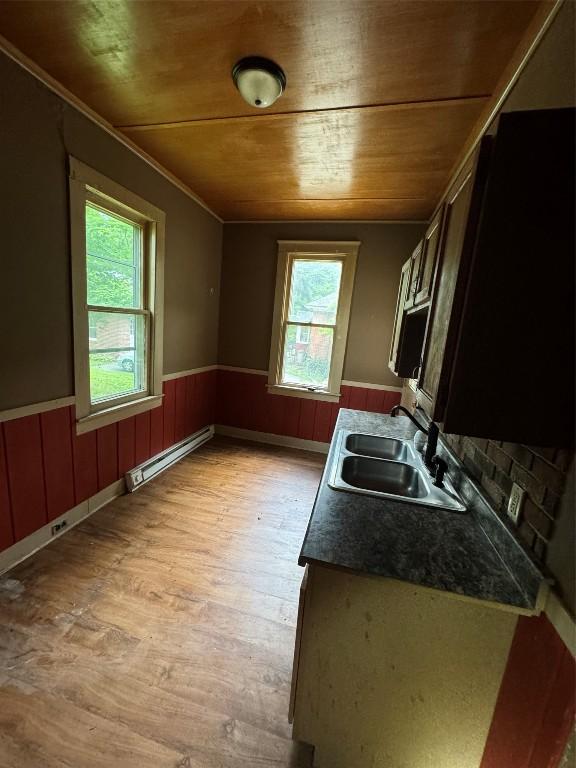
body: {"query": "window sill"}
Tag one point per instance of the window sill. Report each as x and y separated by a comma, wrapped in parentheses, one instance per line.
(117, 413)
(283, 389)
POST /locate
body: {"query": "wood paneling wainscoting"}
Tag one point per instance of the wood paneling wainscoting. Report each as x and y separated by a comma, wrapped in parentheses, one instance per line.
(244, 402)
(46, 468)
(534, 713)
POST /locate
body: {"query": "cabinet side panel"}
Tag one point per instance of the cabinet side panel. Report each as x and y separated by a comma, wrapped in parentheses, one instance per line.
(297, 644)
(457, 208)
(393, 675)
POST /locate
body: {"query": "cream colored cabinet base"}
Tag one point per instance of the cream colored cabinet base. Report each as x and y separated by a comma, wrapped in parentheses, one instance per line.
(392, 675)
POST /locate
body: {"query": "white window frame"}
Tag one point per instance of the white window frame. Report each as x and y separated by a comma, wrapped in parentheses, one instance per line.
(290, 251)
(90, 337)
(88, 185)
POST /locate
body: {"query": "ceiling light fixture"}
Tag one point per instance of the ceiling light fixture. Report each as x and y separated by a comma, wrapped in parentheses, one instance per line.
(260, 81)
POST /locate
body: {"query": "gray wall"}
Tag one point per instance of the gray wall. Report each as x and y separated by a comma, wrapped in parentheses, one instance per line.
(248, 283)
(37, 132)
(549, 78)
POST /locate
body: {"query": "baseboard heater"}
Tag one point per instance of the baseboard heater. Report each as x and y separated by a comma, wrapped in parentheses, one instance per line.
(143, 472)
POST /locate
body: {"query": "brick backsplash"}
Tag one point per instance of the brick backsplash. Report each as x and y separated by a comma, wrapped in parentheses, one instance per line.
(540, 471)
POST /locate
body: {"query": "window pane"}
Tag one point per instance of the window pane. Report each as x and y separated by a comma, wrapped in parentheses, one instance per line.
(117, 355)
(110, 284)
(307, 363)
(314, 291)
(113, 260)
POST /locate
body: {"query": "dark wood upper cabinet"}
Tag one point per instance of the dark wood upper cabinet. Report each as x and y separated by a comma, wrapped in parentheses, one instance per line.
(403, 293)
(409, 327)
(416, 267)
(429, 259)
(498, 358)
(462, 207)
(512, 376)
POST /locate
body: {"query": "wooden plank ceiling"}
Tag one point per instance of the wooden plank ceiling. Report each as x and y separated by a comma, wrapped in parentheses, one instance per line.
(381, 94)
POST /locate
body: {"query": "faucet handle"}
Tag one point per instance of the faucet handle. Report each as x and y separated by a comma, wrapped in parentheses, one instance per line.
(419, 441)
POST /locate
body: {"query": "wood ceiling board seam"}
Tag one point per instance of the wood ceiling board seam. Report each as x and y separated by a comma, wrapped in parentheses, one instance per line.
(339, 156)
(334, 211)
(327, 121)
(62, 92)
(319, 201)
(234, 119)
(278, 116)
(327, 221)
(408, 205)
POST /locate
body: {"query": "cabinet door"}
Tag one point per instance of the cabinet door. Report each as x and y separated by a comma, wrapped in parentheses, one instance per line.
(403, 294)
(517, 323)
(417, 257)
(460, 220)
(429, 259)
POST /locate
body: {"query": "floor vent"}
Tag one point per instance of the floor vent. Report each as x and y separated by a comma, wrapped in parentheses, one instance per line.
(149, 469)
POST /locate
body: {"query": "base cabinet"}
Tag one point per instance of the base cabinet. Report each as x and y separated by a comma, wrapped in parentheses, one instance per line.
(393, 675)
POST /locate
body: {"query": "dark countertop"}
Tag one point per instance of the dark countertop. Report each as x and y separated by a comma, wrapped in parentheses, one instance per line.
(472, 554)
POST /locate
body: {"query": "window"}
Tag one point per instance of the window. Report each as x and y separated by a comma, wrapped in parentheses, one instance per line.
(117, 256)
(303, 334)
(312, 306)
(92, 330)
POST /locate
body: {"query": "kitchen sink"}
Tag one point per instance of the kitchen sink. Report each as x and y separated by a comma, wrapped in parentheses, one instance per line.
(387, 467)
(395, 478)
(378, 447)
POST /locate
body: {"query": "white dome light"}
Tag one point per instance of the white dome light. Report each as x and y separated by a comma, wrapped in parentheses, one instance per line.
(259, 81)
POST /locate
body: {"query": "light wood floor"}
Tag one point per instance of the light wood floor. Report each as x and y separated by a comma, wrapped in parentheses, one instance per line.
(160, 632)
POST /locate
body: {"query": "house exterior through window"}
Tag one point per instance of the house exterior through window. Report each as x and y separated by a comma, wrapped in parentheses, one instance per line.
(117, 257)
(312, 307)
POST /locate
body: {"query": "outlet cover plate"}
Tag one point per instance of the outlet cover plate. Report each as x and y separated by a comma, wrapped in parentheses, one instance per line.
(515, 502)
(58, 527)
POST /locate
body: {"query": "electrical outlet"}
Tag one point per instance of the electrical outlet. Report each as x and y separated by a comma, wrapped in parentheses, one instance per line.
(57, 527)
(515, 502)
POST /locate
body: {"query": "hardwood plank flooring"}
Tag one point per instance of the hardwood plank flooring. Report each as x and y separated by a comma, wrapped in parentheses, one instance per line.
(160, 632)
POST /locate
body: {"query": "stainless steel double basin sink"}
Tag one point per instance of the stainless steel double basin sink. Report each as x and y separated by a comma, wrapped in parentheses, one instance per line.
(389, 468)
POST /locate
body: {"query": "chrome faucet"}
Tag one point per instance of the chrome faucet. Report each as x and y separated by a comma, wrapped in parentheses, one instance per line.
(432, 433)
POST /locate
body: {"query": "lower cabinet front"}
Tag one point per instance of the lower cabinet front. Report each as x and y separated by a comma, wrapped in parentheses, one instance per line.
(392, 675)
